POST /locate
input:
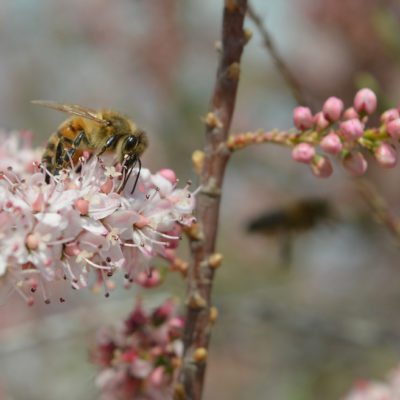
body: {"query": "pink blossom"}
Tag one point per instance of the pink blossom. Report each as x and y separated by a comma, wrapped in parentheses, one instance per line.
(371, 391)
(355, 163)
(386, 156)
(331, 144)
(352, 129)
(350, 113)
(71, 227)
(389, 115)
(302, 118)
(168, 174)
(393, 129)
(332, 109)
(303, 152)
(320, 122)
(365, 101)
(321, 167)
(140, 359)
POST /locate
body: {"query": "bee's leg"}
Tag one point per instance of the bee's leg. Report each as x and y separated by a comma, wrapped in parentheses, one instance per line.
(60, 155)
(127, 175)
(110, 142)
(75, 144)
(137, 176)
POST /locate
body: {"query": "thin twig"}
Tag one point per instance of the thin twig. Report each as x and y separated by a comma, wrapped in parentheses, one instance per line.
(280, 64)
(201, 272)
(379, 207)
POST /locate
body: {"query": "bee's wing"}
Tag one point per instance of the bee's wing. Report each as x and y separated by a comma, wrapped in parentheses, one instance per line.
(73, 109)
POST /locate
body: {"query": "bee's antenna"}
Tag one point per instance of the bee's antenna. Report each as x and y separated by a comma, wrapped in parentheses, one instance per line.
(137, 176)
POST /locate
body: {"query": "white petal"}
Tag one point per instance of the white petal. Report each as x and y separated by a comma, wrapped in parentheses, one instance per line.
(93, 226)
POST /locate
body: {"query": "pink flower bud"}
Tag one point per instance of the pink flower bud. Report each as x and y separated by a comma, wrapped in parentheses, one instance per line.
(303, 152)
(386, 156)
(355, 163)
(302, 118)
(365, 101)
(393, 129)
(352, 129)
(38, 204)
(158, 377)
(389, 115)
(168, 174)
(107, 187)
(320, 122)
(32, 242)
(82, 205)
(149, 279)
(333, 109)
(350, 113)
(331, 144)
(174, 237)
(143, 221)
(321, 167)
(72, 249)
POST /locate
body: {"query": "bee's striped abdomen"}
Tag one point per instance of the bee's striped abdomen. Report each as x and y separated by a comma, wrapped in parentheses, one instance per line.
(63, 139)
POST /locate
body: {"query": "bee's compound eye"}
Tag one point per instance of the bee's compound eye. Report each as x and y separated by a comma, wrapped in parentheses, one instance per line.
(130, 142)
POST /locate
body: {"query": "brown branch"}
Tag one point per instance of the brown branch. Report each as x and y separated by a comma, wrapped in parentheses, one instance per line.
(199, 314)
(280, 64)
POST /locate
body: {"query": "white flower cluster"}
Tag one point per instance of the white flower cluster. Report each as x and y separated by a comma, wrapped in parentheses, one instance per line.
(78, 222)
(371, 390)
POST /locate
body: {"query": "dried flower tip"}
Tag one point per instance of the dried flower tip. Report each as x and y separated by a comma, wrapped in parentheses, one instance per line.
(248, 34)
(179, 392)
(196, 302)
(212, 121)
(213, 315)
(198, 157)
(233, 72)
(200, 355)
(218, 46)
(194, 231)
(231, 5)
(215, 260)
(365, 101)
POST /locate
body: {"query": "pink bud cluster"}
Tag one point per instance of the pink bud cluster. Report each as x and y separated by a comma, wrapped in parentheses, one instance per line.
(141, 359)
(79, 223)
(343, 133)
(388, 390)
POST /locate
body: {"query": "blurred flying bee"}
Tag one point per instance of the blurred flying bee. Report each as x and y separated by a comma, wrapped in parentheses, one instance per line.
(300, 215)
(103, 131)
(294, 218)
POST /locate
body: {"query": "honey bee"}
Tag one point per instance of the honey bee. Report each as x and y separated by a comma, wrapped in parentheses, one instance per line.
(103, 131)
(291, 220)
(300, 215)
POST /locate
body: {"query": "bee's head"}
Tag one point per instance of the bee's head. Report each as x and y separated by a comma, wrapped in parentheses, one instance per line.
(133, 146)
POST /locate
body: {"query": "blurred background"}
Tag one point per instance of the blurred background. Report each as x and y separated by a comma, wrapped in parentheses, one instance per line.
(303, 314)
